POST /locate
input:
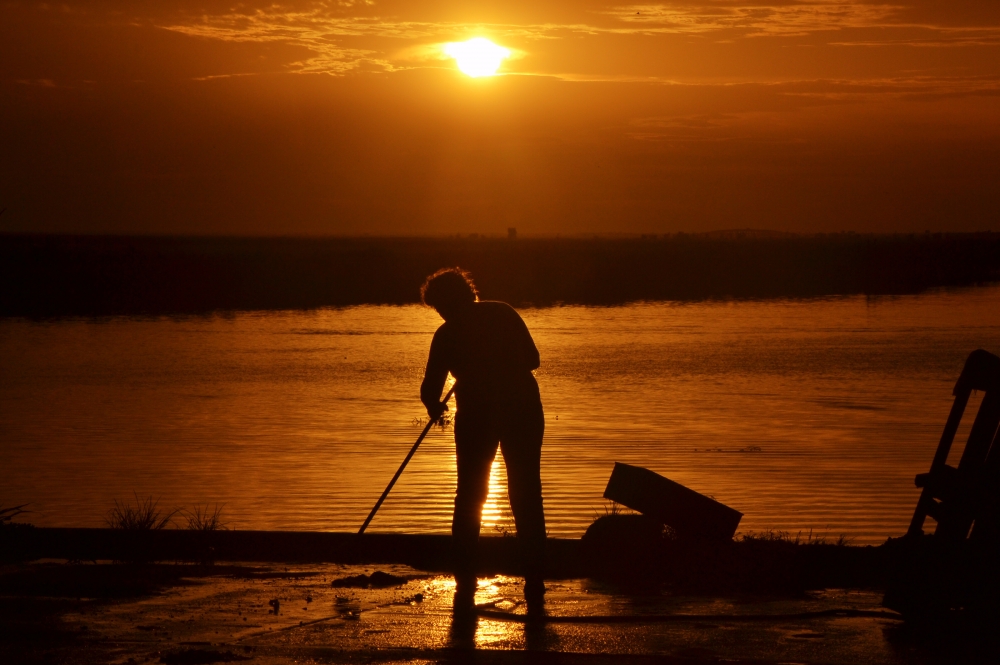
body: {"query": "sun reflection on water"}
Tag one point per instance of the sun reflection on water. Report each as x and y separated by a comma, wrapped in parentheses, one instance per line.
(494, 591)
(496, 511)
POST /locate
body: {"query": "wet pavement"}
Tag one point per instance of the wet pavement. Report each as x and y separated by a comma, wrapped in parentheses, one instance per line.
(293, 615)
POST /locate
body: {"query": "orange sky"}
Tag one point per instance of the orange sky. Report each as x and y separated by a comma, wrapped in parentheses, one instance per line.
(345, 117)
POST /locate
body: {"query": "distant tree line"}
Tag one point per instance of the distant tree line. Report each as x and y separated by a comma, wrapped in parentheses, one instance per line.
(51, 275)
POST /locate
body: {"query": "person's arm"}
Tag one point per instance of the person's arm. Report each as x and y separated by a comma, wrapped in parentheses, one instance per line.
(527, 350)
(435, 375)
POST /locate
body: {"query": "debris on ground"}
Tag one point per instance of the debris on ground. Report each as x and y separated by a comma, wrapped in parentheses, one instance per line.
(377, 580)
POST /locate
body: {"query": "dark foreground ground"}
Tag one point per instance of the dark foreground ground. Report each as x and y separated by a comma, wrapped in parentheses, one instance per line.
(756, 600)
(46, 276)
(58, 612)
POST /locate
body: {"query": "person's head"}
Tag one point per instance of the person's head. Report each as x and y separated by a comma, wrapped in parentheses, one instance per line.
(449, 291)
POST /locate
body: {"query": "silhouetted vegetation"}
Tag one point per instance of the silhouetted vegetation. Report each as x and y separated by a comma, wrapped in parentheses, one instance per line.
(203, 518)
(772, 536)
(44, 276)
(615, 508)
(145, 515)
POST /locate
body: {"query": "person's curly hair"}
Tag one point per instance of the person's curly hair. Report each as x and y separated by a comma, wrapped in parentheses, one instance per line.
(446, 286)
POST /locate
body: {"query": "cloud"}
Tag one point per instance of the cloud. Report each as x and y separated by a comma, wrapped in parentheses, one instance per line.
(753, 20)
(950, 38)
(803, 111)
(351, 36)
(325, 33)
(313, 29)
(42, 83)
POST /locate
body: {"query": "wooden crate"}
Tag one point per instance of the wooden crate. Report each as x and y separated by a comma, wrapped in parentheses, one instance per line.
(688, 513)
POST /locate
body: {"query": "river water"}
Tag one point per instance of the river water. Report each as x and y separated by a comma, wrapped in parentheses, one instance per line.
(809, 416)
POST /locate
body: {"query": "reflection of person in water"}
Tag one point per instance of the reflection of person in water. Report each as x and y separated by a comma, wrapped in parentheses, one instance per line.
(488, 349)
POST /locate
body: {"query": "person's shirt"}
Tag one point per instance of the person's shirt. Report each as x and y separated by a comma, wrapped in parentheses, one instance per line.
(490, 353)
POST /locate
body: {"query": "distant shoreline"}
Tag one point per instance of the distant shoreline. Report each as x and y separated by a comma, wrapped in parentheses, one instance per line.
(64, 275)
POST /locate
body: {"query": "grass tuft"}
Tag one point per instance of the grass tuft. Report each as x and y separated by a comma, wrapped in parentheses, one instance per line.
(145, 515)
(612, 508)
(446, 420)
(204, 518)
(772, 536)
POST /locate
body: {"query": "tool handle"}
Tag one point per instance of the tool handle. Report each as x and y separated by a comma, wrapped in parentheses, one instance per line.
(399, 472)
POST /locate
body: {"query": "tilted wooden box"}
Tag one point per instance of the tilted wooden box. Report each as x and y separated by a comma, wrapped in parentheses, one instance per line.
(688, 513)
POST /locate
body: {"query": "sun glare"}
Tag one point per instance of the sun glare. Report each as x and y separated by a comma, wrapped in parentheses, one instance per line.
(477, 56)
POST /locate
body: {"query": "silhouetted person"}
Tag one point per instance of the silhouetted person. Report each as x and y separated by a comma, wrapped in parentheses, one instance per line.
(488, 349)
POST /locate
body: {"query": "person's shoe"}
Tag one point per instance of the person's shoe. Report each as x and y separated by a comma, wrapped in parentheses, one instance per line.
(534, 596)
(465, 596)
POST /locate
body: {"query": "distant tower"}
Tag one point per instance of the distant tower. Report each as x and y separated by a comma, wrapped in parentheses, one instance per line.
(511, 233)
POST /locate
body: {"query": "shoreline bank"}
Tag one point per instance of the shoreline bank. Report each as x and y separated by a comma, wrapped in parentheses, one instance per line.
(760, 565)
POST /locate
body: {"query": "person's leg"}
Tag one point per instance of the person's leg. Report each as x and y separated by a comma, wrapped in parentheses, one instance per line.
(521, 445)
(475, 448)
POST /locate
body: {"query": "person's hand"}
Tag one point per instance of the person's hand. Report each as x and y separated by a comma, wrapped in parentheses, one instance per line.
(435, 411)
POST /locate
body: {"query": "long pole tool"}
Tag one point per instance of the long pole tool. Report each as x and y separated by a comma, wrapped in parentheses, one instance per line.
(399, 472)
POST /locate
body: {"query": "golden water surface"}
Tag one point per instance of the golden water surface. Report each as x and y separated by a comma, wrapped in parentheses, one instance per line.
(804, 415)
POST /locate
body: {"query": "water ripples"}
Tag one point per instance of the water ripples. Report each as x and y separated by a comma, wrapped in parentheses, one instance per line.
(297, 420)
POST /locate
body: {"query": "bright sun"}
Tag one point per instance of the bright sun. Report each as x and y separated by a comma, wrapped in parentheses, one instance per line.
(477, 56)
